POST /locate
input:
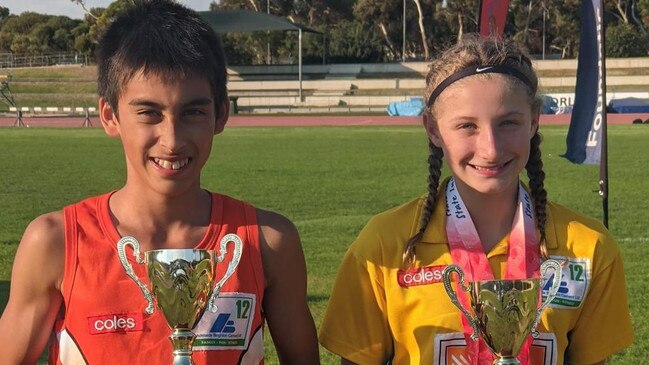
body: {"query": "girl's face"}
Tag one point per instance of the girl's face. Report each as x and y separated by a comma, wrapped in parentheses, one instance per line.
(484, 125)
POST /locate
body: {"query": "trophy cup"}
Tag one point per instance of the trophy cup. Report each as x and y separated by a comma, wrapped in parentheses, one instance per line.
(506, 311)
(182, 281)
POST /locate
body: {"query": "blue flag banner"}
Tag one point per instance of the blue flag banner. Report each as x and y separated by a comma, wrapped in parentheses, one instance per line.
(584, 141)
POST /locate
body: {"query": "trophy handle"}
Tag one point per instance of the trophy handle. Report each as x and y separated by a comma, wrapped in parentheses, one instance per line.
(446, 275)
(121, 252)
(236, 257)
(552, 292)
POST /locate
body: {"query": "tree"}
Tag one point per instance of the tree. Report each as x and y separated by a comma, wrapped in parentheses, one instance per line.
(642, 7)
(562, 26)
(624, 40)
(89, 12)
(82, 42)
(382, 14)
(352, 41)
(16, 29)
(457, 18)
(4, 14)
(98, 18)
(619, 8)
(422, 29)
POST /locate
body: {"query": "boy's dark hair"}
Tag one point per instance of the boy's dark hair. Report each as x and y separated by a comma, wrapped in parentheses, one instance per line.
(160, 37)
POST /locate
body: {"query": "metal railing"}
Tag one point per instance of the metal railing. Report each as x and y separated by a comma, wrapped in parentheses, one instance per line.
(9, 60)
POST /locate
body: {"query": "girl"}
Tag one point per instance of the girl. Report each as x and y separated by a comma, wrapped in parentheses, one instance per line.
(389, 303)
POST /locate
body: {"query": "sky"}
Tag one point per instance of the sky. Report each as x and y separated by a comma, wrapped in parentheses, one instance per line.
(73, 10)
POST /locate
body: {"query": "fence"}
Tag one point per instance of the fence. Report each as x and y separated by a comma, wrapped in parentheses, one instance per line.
(43, 59)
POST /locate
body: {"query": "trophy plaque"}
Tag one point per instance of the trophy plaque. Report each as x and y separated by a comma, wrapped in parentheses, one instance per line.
(183, 285)
(505, 311)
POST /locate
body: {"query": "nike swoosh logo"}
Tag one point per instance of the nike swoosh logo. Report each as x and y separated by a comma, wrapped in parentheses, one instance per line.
(482, 69)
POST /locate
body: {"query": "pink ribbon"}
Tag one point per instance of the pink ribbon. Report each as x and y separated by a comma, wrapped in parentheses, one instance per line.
(523, 258)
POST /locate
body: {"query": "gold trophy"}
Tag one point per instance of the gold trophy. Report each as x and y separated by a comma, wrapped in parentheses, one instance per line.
(506, 311)
(182, 282)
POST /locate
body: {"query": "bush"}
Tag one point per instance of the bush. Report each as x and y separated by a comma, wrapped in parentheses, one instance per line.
(625, 40)
(353, 42)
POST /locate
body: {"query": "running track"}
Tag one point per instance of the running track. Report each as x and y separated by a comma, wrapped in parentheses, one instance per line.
(279, 121)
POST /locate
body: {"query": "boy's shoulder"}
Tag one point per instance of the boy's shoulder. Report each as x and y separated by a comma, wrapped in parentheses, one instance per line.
(46, 227)
(276, 229)
(274, 225)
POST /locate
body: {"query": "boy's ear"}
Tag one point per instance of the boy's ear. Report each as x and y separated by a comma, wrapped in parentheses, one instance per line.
(431, 129)
(108, 118)
(222, 116)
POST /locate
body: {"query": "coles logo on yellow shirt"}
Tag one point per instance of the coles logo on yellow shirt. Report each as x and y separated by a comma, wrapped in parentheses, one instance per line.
(420, 276)
(450, 349)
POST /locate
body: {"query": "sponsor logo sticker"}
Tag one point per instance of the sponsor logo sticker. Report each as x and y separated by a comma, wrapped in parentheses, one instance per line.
(450, 349)
(109, 323)
(420, 276)
(229, 328)
(575, 281)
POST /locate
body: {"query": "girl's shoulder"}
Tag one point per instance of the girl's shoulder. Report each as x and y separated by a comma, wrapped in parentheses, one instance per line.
(389, 230)
(562, 217)
(571, 233)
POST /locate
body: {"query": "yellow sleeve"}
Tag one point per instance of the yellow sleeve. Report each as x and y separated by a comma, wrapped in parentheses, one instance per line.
(355, 324)
(604, 324)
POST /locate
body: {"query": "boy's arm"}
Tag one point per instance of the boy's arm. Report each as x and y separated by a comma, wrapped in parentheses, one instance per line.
(287, 313)
(35, 296)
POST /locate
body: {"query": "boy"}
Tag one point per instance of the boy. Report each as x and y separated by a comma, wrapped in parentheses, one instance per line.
(162, 87)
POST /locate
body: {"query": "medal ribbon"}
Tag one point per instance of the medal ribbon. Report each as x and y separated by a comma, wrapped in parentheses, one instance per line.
(523, 258)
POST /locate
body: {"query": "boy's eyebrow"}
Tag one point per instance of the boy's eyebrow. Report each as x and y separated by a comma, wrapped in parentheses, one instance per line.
(150, 103)
(199, 101)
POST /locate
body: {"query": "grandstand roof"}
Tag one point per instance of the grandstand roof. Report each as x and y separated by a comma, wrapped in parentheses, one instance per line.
(243, 20)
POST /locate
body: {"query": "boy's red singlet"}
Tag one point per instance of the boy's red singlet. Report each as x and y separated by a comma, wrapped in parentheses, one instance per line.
(103, 319)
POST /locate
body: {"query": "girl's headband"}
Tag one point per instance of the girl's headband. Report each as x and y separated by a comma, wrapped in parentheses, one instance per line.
(474, 70)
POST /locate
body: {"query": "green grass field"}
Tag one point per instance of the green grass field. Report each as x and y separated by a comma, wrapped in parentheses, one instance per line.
(329, 181)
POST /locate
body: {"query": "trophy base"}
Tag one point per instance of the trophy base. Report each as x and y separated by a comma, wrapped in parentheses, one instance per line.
(509, 360)
(183, 359)
(182, 340)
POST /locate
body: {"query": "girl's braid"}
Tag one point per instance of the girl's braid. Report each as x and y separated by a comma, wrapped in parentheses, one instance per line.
(434, 172)
(536, 176)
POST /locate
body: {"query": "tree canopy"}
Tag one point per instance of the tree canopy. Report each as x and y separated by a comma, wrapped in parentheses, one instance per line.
(356, 30)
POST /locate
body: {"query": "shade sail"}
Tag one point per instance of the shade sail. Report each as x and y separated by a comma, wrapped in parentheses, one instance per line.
(243, 20)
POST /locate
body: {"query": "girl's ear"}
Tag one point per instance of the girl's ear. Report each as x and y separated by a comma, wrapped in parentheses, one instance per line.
(222, 116)
(431, 129)
(108, 118)
(536, 116)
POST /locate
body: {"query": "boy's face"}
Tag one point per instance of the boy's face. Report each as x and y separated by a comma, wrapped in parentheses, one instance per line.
(166, 128)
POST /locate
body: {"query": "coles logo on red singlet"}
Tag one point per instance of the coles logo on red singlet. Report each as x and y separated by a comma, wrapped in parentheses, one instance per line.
(123, 322)
(420, 276)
